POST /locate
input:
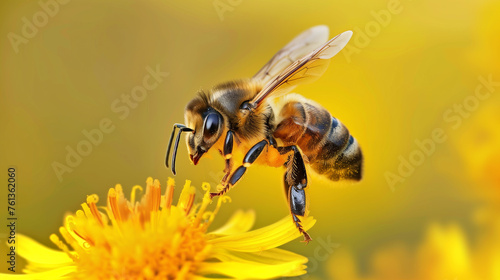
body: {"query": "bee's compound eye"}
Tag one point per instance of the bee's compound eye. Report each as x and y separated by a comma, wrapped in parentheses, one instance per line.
(211, 126)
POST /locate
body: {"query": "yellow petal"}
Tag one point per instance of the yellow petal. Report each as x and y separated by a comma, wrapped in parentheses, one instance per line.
(252, 270)
(37, 253)
(58, 273)
(271, 256)
(264, 238)
(241, 221)
(196, 277)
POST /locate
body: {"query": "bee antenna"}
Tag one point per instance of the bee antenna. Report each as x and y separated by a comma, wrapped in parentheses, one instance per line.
(182, 128)
(174, 155)
(170, 145)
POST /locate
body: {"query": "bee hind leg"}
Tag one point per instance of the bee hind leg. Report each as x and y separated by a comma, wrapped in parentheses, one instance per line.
(295, 182)
(249, 158)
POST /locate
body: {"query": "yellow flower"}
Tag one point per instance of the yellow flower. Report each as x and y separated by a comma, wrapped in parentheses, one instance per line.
(476, 143)
(153, 239)
(445, 254)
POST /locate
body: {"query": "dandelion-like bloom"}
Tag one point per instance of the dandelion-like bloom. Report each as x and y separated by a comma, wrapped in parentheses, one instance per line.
(153, 239)
(445, 253)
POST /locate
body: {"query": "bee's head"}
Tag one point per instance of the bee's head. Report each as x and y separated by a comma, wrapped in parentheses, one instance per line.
(204, 125)
(208, 126)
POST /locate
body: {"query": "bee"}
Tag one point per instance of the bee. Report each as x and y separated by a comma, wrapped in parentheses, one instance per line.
(263, 120)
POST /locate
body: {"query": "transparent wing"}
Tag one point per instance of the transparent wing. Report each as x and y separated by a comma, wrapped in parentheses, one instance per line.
(300, 46)
(305, 70)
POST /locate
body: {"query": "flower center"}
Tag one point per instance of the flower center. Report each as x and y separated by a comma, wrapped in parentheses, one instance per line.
(150, 239)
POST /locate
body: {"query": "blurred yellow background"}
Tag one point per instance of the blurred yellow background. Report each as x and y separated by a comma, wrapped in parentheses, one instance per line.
(428, 206)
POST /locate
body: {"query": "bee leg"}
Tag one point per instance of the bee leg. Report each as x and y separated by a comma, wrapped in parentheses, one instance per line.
(228, 154)
(249, 158)
(295, 181)
(272, 142)
(227, 170)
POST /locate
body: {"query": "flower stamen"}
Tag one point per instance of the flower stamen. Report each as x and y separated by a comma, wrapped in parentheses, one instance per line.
(169, 193)
(153, 239)
(113, 204)
(91, 202)
(132, 194)
(63, 247)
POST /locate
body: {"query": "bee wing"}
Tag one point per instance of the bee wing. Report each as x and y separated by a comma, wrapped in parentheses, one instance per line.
(307, 69)
(301, 45)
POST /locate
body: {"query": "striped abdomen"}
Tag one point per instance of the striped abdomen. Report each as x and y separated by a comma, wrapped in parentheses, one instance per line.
(332, 152)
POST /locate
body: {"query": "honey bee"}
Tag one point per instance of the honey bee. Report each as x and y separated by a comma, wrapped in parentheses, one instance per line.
(255, 117)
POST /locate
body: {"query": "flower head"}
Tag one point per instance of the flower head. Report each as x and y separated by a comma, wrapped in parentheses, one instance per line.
(151, 238)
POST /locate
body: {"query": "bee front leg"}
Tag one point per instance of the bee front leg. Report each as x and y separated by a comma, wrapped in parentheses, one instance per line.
(249, 158)
(228, 155)
(227, 170)
(295, 181)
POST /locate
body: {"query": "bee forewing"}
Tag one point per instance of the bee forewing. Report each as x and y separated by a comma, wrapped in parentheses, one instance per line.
(305, 70)
(300, 46)
(335, 45)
